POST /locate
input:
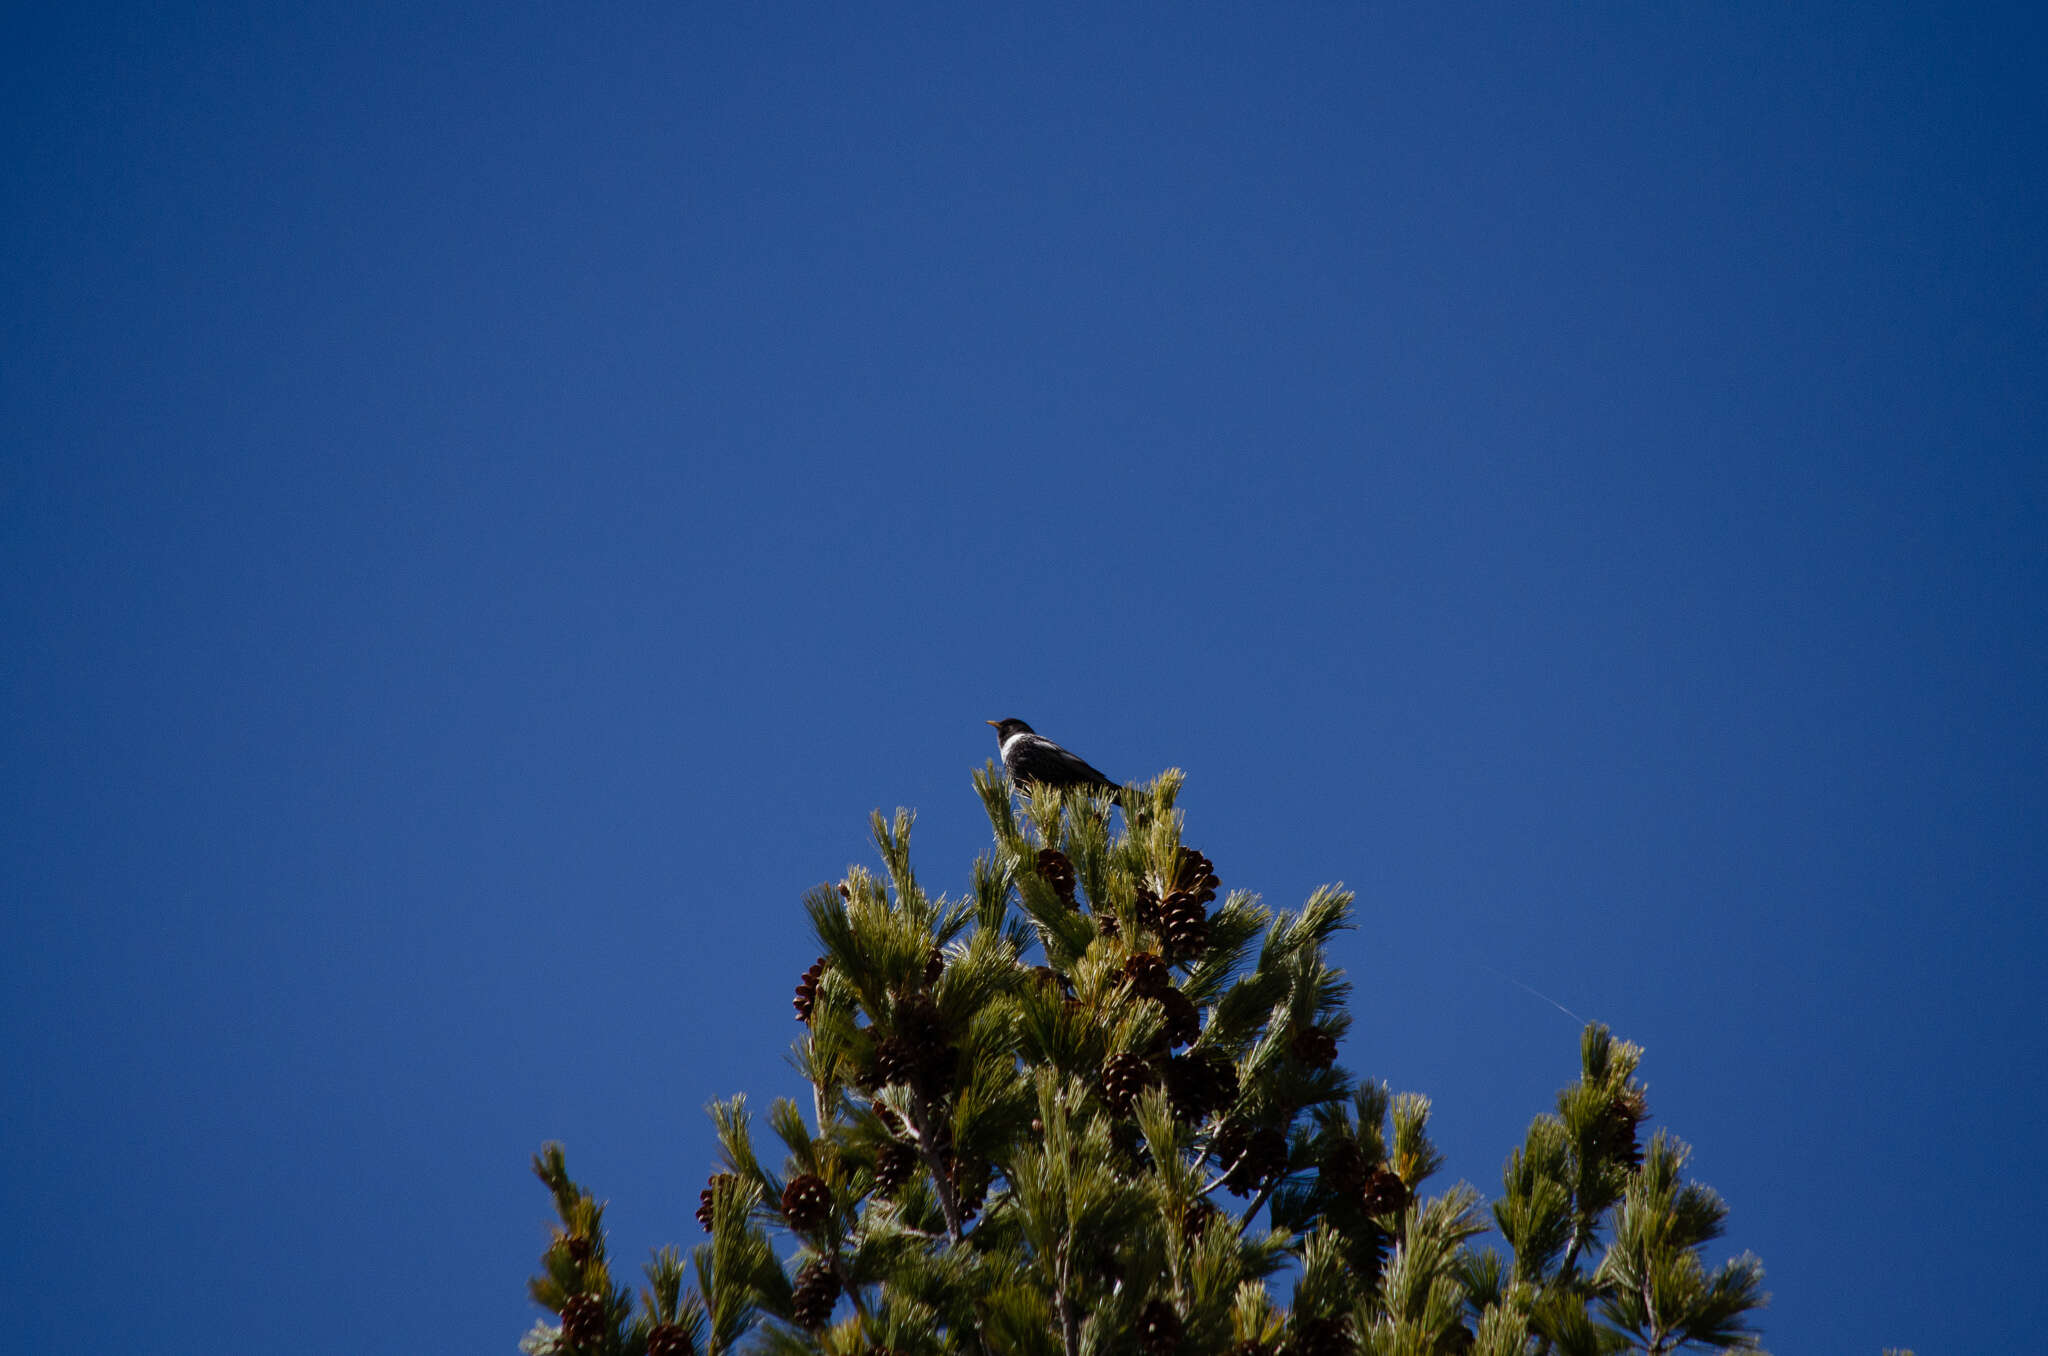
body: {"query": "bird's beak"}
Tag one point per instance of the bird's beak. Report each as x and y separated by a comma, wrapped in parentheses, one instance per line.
(991, 722)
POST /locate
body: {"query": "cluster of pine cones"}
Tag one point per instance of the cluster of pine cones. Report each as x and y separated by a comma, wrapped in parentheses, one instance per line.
(1181, 917)
(1199, 1085)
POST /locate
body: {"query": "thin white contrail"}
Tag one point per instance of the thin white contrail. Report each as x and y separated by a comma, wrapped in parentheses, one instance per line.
(1537, 992)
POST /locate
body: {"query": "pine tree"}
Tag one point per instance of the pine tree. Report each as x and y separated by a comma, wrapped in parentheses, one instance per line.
(1087, 1108)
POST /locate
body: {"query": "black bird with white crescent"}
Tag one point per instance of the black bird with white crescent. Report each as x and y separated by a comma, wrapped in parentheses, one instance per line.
(1034, 760)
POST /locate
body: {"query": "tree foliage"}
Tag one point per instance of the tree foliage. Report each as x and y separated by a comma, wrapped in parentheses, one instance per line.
(1086, 1107)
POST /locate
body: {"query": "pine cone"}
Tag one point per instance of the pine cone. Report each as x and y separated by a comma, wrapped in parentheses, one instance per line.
(669, 1339)
(1106, 924)
(575, 1247)
(894, 1163)
(807, 990)
(1183, 926)
(816, 1291)
(917, 1053)
(705, 1198)
(969, 1178)
(930, 1058)
(1055, 870)
(1147, 975)
(887, 1117)
(1617, 1131)
(584, 1321)
(1199, 1085)
(934, 966)
(1384, 1193)
(1159, 1329)
(1262, 1159)
(1228, 1143)
(1344, 1169)
(1314, 1047)
(1195, 874)
(1124, 1077)
(1148, 908)
(1183, 1022)
(806, 1202)
(1196, 1215)
(1320, 1337)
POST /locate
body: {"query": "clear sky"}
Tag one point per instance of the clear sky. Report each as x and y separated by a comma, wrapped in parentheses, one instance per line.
(492, 495)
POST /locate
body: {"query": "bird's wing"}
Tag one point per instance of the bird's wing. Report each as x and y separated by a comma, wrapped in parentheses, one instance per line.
(1041, 753)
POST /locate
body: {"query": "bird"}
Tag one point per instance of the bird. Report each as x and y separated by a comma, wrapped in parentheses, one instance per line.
(1033, 760)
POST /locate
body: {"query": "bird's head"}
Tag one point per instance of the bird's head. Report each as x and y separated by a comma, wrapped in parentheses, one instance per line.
(1006, 728)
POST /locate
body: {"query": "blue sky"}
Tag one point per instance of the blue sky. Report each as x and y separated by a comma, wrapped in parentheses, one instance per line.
(491, 497)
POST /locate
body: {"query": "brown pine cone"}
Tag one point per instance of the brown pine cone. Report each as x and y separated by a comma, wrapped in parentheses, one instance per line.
(1124, 1077)
(1227, 1145)
(807, 990)
(1183, 926)
(1314, 1047)
(1186, 1094)
(575, 1247)
(1344, 1169)
(970, 1185)
(1148, 908)
(719, 1182)
(1183, 1021)
(1617, 1131)
(1263, 1158)
(1196, 1216)
(1159, 1329)
(934, 966)
(1320, 1337)
(584, 1321)
(806, 1202)
(1147, 975)
(1055, 870)
(894, 1163)
(1200, 1085)
(1195, 874)
(816, 1291)
(926, 1059)
(1384, 1193)
(669, 1339)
